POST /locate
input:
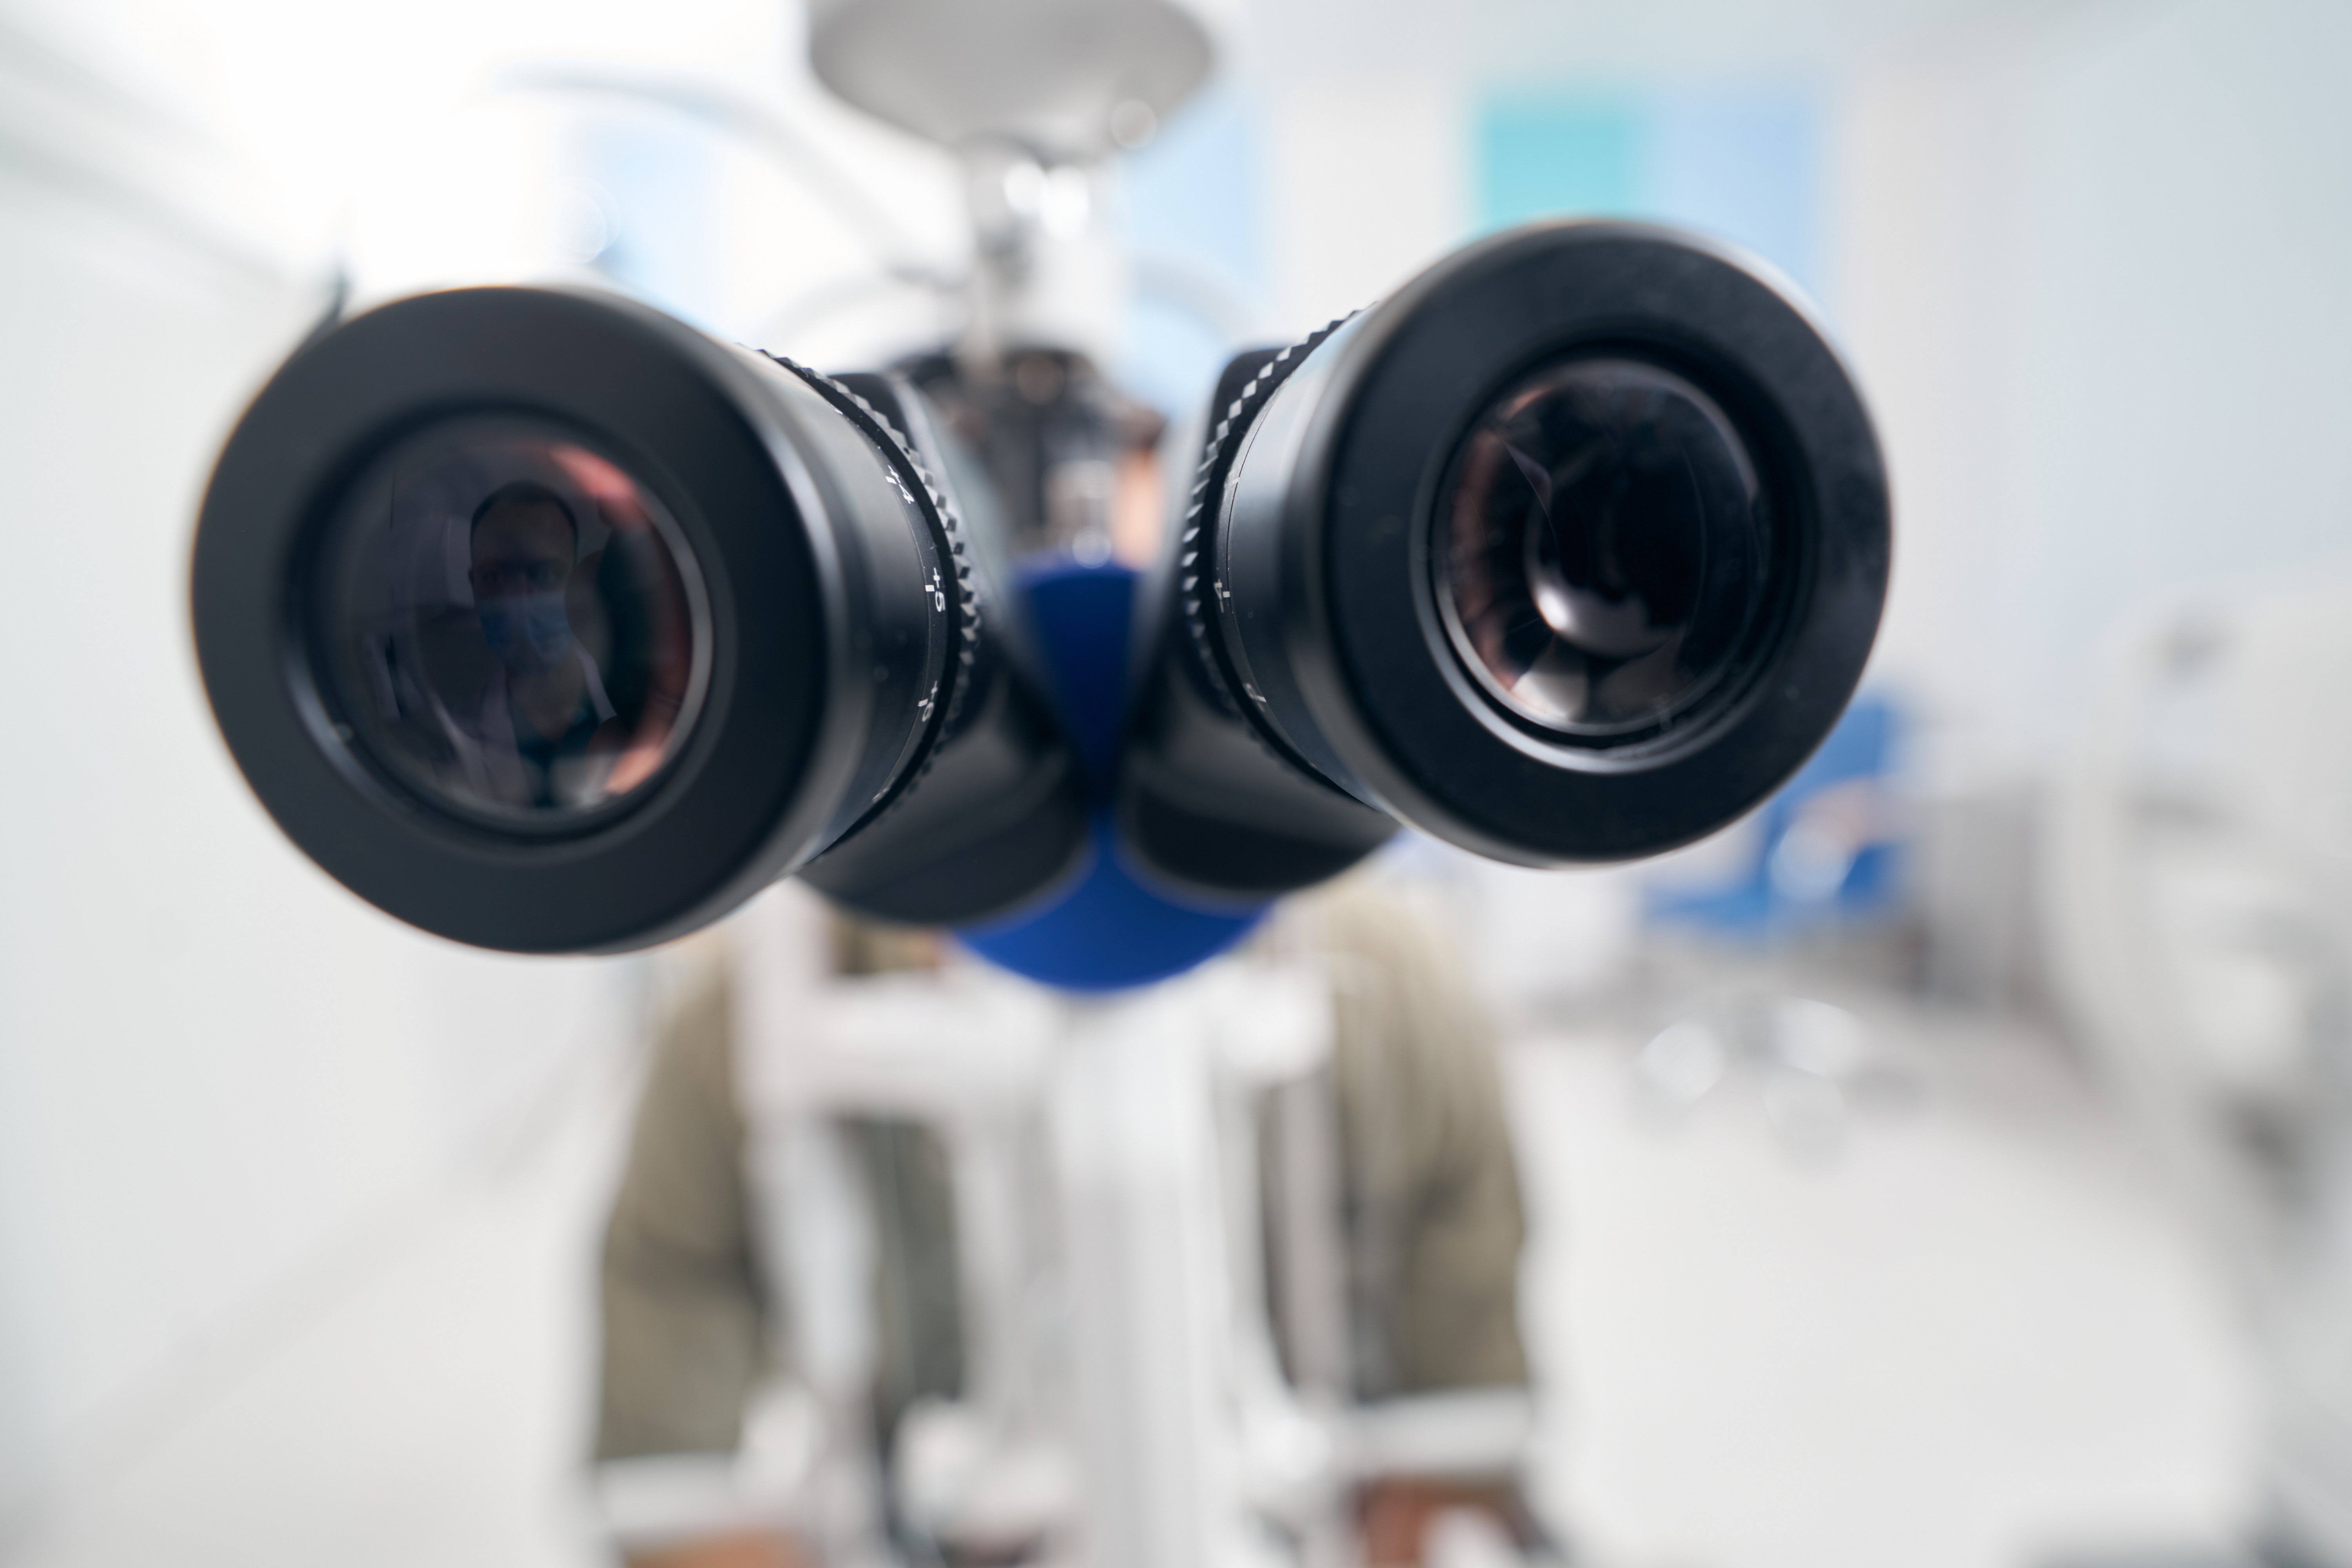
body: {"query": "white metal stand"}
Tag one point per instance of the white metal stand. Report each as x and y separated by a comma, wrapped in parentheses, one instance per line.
(1123, 1400)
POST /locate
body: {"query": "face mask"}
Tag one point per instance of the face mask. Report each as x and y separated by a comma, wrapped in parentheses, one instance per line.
(527, 631)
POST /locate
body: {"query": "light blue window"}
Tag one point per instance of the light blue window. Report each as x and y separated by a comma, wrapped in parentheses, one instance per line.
(1741, 164)
(1191, 214)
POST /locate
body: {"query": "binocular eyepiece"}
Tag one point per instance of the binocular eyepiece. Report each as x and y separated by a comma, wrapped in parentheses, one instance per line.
(545, 623)
(1571, 550)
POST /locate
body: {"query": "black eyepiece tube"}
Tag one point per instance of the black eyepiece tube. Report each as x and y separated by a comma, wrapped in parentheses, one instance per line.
(1571, 550)
(545, 623)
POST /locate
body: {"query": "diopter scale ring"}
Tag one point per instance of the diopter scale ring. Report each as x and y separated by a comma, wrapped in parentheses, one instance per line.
(948, 534)
(1218, 453)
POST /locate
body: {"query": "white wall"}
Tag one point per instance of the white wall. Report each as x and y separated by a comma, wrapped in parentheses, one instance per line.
(1367, 184)
(217, 1070)
(2091, 271)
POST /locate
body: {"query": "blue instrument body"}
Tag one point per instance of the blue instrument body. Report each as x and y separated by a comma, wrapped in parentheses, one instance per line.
(1104, 931)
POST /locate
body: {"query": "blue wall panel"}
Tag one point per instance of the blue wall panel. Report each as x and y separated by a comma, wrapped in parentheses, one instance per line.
(1191, 199)
(1741, 165)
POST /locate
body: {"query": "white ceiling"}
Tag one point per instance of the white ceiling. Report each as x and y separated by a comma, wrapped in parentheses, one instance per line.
(306, 98)
(1507, 40)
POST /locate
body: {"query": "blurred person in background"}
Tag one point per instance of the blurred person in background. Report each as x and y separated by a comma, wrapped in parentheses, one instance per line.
(1429, 1207)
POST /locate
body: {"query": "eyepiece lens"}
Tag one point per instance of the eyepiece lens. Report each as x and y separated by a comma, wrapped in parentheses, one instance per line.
(1601, 548)
(512, 626)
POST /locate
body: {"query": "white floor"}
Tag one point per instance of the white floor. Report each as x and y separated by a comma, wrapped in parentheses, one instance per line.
(427, 1411)
(1967, 1339)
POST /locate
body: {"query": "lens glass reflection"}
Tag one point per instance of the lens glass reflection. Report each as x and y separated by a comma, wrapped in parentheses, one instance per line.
(1599, 547)
(511, 624)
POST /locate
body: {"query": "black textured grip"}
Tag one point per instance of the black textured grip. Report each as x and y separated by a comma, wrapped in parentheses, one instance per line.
(937, 509)
(939, 714)
(1243, 391)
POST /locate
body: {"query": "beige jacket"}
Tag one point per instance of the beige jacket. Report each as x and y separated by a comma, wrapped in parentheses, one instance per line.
(1428, 1194)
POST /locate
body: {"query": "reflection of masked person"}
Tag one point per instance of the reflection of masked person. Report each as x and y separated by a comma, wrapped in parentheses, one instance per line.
(525, 542)
(527, 631)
